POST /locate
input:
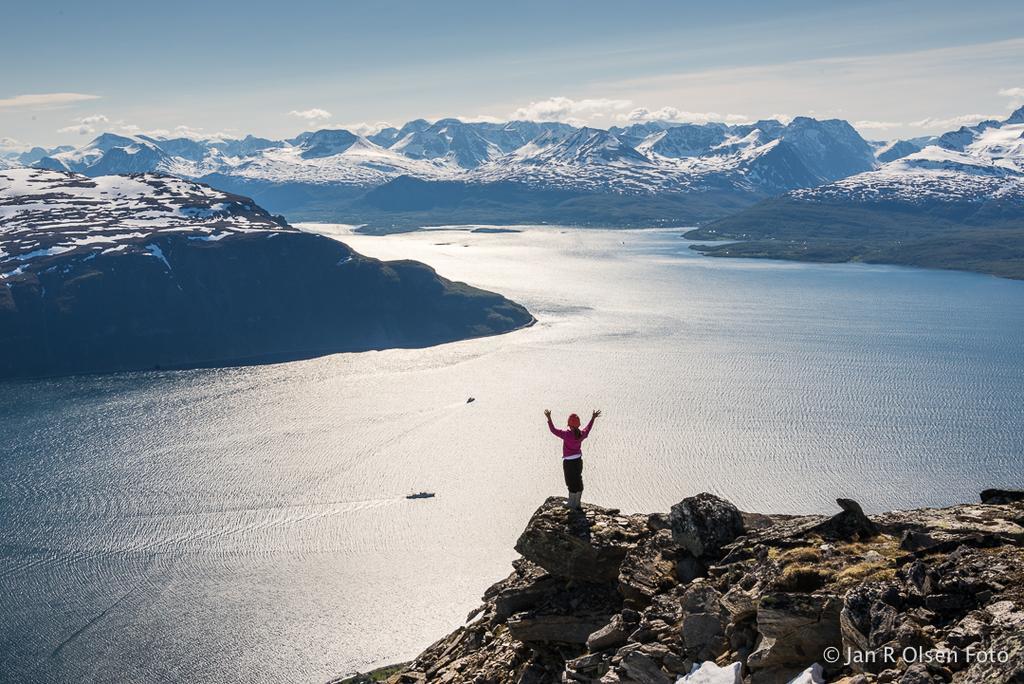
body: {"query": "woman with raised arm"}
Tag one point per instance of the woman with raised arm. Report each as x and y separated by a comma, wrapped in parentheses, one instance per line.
(572, 453)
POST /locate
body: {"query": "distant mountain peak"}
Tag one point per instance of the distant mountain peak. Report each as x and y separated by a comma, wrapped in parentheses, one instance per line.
(830, 148)
(449, 139)
(684, 140)
(108, 141)
(589, 146)
(327, 142)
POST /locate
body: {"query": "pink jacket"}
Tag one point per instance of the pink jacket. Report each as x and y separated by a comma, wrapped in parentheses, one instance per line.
(570, 445)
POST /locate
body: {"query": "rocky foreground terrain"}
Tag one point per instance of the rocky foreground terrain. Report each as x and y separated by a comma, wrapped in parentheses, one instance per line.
(708, 594)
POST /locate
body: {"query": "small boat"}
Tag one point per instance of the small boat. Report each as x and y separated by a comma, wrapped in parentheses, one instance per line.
(420, 495)
(471, 400)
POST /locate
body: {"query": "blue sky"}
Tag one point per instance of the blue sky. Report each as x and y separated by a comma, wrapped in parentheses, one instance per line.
(72, 69)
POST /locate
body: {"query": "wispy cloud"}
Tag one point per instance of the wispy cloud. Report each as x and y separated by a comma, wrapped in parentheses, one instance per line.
(642, 114)
(184, 131)
(481, 118)
(595, 110)
(89, 125)
(80, 129)
(945, 124)
(876, 125)
(934, 124)
(181, 131)
(576, 112)
(884, 87)
(44, 100)
(11, 146)
(365, 128)
(314, 114)
(85, 125)
(1016, 96)
(916, 60)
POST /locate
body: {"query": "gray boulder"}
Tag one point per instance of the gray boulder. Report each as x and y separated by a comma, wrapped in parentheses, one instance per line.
(1011, 671)
(703, 624)
(705, 523)
(642, 668)
(1001, 496)
(795, 630)
(588, 545)
(648, 569)
(851, 523)
(740, 604)
(565, 629)
(612, 635)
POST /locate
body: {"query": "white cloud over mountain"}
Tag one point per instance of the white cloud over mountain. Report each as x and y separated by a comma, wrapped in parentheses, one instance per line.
(12, 145)
(363, 127)
(869, 125)
(943, 124)
(85, 125)
(642, 114)
(314, 114)
(568, 110)
(601, 111)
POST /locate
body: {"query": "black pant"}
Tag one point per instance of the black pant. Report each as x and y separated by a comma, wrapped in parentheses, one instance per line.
(573, 471)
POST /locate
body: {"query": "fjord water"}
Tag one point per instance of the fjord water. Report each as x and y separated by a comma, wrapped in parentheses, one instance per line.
(249, 524)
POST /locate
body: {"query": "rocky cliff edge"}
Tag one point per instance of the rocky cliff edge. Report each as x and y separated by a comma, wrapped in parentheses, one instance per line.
(708, 594)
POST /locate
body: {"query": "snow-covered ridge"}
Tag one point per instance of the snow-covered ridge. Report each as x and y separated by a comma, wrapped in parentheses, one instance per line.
(973, 164)
(44, 213)
(812, 159)
(642, 159)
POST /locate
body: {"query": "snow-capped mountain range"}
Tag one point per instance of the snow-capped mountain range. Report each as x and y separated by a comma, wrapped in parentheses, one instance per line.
(526, 169)
(977, 163)
(953, 202)
(764, 157)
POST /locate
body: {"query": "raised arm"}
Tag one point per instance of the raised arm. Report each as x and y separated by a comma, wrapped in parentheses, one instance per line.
(593, 417)
(551, 426)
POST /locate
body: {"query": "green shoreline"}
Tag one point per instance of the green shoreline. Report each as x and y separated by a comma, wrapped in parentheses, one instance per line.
(835, 252)
(958, 236)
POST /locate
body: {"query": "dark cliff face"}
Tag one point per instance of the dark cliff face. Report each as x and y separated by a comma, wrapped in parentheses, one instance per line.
(243, 299)
(134, 273)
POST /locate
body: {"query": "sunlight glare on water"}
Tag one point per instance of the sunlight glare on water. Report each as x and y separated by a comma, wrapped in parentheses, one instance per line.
(249, 524)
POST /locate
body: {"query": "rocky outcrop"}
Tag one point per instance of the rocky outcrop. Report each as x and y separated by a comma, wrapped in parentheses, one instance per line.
(709, 595)
(588, 547)
(703, 524)
(1001, 496)
(795, 629)
(651, 567)
(938, 530)
(848, 525)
